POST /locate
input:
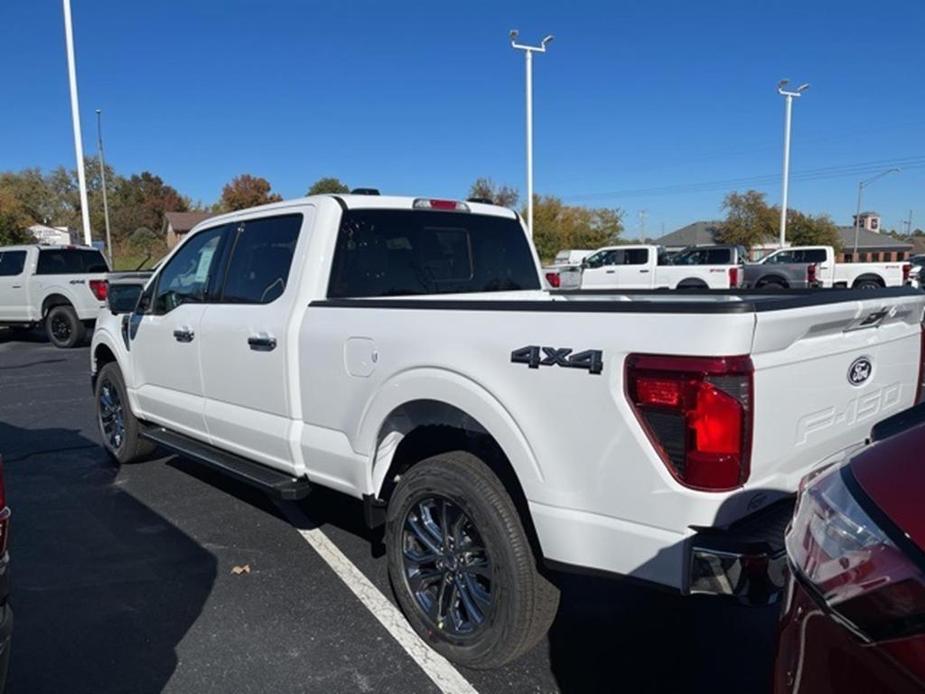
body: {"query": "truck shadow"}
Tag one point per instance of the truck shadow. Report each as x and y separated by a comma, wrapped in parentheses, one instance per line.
(104, 588)
(30, 335)
(623, 634)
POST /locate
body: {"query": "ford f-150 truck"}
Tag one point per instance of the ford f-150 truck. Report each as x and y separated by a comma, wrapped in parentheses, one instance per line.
(61, 287)
(648, 267)
(403, 351)
(801, 266)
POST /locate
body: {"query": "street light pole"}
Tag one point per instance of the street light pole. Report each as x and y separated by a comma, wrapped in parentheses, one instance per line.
(789, 96)
(528, 53)
(857, 216)
(99, 147)
(75, 118)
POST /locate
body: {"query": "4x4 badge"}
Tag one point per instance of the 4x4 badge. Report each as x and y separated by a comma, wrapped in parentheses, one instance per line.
(859, 371)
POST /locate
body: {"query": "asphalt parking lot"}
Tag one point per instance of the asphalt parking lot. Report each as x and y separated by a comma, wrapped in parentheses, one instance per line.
(123, 581)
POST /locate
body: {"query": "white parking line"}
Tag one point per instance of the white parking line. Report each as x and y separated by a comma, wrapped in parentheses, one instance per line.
(444, 675)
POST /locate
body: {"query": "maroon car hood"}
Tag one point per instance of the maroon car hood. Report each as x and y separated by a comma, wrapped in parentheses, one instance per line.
(892, 473)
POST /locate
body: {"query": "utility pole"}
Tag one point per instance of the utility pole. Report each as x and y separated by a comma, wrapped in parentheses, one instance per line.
(857, 217)
(528, 53)
(75, 119)
(908, 224)
(642, 224)
(789, 97)
(99, 147)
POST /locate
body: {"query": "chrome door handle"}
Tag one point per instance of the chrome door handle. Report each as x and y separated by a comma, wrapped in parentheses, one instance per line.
(643, 271)
(183, 335)
(16, 286)
(609, 272)
(262, 343)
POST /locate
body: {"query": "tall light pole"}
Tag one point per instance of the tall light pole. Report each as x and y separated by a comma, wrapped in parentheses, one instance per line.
(99, 149)
(857, 216)
(789, 96)
(528, 52)
(75, 118)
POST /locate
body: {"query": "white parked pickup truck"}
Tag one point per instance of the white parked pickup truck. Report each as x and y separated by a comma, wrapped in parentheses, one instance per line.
(62, 287)
(786, 268)
(403, 352)
(648, 267)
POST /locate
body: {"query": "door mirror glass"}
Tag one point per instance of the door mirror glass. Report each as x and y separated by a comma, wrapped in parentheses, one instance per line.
(123, 298)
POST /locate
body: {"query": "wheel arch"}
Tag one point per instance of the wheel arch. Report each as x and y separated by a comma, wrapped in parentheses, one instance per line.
(56, 298)
(693, 283)
(772, 278)
(868, 277)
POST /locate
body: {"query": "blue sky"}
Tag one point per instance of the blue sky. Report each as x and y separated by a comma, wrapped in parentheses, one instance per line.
(655, 106)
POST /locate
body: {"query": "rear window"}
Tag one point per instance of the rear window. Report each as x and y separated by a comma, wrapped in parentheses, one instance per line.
(70, 261)
(12, 263)
(407, 252)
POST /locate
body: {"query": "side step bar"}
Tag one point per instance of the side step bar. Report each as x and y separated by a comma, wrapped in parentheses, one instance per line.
(274, 482)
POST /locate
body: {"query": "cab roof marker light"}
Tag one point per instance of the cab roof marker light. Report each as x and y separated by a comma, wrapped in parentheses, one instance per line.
(442, 205)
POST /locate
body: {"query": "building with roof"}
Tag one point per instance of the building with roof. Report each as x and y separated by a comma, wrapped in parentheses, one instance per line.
(50, 236)
(694, 234)
(178, 224)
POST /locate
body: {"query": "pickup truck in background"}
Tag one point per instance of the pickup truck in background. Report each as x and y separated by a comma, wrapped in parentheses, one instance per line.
(565, 262)
(60, 287)
(648, 267)
(801, 266)
(402, 351)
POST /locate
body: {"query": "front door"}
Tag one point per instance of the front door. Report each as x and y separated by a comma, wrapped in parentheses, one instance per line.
(635, 270)
(600, 270)
(14, 302)
(248, 335)
(165, 347)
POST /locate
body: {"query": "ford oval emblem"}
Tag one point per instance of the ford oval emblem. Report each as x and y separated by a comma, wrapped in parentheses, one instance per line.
(860, 371)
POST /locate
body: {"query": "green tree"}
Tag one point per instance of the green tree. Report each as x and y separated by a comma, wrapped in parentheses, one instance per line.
(750, 221)
(246, 191)
(809, 230)
(328, 184)
(502, 195)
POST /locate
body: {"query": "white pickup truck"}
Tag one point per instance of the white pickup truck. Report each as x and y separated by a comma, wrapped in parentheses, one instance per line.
(62, 287)
(403, 352)
(782, 267)
(647, 267)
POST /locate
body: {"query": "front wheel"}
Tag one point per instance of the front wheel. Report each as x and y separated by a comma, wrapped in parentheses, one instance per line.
(65, 330)
(461, 565)
(119, 430)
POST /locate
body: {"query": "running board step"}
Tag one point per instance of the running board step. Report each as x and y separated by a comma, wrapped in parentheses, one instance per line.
(272, 481)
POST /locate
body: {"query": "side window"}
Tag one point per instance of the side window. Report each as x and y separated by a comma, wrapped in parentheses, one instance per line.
(12, 263)
(636, 256)
(816, 255)
(718, 256)
(598, 259)
(261, 260)
(59, 261)
(185, 277)
(782, 257)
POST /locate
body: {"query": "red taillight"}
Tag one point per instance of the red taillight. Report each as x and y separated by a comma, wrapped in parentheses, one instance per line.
(851, 562)
(811, 274)
(443, 205)
(553, 279)
(907, 268)
(697, 412)
(733, 277)
(100, 289)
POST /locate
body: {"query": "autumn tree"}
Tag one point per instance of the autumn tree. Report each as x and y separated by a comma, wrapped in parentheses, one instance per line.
(328, 184)
(246, 191)
(14, 219)
(499, 194)
(557, 226)
(750, 221)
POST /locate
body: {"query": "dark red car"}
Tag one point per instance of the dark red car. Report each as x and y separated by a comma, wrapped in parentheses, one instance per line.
(854, 611)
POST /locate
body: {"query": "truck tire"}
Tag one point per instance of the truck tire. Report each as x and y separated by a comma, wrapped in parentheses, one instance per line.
(772, 283)
(119, 430)
(867, 283)
(473, 592)
(64, 328)
(692, 284)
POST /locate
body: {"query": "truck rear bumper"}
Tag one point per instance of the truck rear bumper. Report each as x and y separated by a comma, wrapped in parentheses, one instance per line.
(747, 560)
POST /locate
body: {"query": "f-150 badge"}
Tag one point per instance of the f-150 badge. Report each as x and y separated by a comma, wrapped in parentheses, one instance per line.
(591, 360)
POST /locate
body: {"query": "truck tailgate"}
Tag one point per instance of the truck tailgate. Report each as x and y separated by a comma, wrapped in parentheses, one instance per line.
(824, 375)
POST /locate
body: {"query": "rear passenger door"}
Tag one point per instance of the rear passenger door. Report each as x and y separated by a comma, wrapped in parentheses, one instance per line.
(248, 339)
(14, 302)
(635, 272)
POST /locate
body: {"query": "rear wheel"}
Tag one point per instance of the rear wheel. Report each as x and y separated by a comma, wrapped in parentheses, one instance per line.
(867, 284)
(461, 565)
(771, 284)
(64, 329)
(119, 430)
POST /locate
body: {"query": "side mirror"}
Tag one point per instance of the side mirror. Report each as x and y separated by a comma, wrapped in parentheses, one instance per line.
(123, 298)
